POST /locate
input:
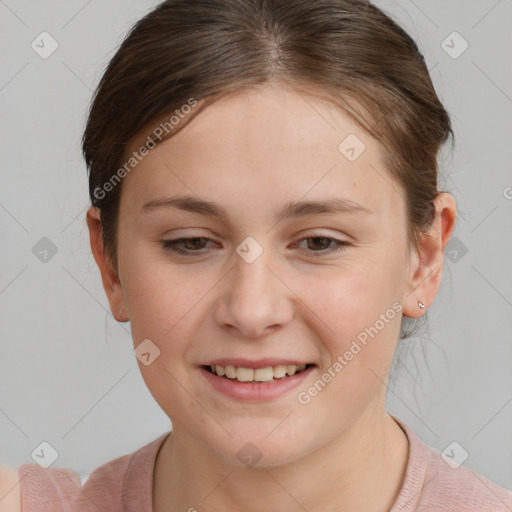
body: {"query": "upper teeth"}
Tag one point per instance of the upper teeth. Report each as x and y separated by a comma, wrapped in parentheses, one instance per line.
(257, 374)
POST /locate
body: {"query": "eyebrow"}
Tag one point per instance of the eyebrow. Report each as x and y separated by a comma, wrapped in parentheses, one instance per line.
(292, 209)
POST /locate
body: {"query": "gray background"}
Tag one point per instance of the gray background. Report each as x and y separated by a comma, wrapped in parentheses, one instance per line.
(67, 371)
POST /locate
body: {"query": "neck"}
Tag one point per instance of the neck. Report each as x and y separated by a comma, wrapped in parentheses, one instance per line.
(361, 469)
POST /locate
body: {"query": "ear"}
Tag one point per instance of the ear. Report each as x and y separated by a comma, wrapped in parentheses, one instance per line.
(111, 282)
(427, 263)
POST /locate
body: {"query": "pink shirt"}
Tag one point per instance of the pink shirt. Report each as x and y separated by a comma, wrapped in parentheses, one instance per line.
(125, 485)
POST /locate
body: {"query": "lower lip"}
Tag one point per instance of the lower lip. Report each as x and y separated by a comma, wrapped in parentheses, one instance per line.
(255, 391)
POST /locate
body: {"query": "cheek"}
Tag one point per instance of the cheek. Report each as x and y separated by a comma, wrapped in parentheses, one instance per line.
(160, 300)
(164, 307)
(342, 300)
(358, 316)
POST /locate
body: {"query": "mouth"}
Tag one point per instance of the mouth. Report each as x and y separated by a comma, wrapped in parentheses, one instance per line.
(261, 375)
(249, 380)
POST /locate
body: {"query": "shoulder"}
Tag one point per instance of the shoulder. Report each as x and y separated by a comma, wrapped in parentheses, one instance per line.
(10, 495)
(126, 479)
(436, 481)
(47, 489)
(460, 486)
(59, 489)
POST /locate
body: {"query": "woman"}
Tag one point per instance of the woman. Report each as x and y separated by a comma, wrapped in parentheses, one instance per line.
(265, 213)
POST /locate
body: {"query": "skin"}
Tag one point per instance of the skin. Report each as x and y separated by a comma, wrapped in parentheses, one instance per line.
(10, 494)
(251, 152)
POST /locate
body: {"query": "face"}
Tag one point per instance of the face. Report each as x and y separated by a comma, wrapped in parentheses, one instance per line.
(244, 285)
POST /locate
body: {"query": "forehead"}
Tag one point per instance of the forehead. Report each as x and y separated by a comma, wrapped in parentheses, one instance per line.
(273, 143)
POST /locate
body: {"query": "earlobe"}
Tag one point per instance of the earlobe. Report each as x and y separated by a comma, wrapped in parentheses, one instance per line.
(110, 280)
(425, 278)
(427, 270)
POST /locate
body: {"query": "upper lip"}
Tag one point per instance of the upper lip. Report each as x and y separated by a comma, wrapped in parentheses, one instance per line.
(240, 362)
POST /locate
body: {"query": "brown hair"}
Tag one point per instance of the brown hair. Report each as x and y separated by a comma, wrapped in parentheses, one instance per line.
(348, 50)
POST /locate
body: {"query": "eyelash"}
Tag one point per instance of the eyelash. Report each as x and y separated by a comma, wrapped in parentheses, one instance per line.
(171, 245)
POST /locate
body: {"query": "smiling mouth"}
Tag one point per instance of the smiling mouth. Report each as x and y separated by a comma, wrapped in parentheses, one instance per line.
(255, 375)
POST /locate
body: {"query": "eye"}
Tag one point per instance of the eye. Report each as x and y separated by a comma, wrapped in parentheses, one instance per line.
(324, 244)
(191, 245)
(194, 246)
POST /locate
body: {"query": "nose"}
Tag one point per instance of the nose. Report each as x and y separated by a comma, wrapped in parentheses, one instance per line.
(254, 299)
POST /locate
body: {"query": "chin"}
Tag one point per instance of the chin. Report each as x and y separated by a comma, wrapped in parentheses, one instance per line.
(260, 451)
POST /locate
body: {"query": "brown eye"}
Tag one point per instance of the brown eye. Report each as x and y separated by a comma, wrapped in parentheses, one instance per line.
(322, 245)
(191, 245)
(319, 242)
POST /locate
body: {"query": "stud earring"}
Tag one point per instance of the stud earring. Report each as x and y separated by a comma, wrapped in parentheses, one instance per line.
(420, 304)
